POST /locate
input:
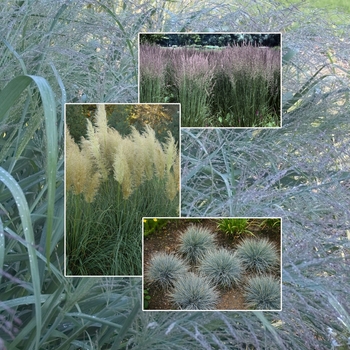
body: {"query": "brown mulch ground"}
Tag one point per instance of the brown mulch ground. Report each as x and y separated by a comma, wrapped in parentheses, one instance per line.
(166, 240)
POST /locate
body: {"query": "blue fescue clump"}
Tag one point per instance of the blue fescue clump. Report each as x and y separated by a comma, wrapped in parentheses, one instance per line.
(164, 269)
(258, 255)
(195, 242)
(192, 292)
(263, 293)
(222, 268)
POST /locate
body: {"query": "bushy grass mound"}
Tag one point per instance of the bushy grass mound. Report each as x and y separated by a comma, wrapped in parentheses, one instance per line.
(165, 269)
(263, 293)
(234, 86)
(221, 267)
(258, 255)
(195, 242)
(192, 292)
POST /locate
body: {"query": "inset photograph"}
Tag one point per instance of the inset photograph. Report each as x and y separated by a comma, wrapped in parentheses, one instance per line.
(220, 79)
(121, 163)
(212, 264)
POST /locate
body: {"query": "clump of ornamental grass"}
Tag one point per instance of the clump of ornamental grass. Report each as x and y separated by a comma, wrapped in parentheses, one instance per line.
(263, 293)
(222, 268)
(254, 76)
(165, 269)
(258, 255)
(152, 76)
(195, 243)
(193, 78)
(192, 292)
(108, 174)
(233, 86)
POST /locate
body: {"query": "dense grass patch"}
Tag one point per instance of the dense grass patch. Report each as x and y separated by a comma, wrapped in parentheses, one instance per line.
(258, 255)
(195, 243)
(222, 268)
(232, 86)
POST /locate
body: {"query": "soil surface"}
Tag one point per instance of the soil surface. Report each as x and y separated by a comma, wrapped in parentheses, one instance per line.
(166, 239)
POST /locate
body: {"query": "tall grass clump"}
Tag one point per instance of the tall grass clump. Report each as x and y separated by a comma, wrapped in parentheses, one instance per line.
(164, 270)
(258, 255)
(222, 268)
(152, 77)
(195, 243)
(192, 292)
(252, 96)
(52, 53)
(193, 78)
(263, 293)
(111, 182)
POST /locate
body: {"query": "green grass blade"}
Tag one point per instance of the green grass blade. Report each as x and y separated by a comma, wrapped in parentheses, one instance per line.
(12, 303)
(10, 94)
(304, 89)
(93, 319)
(126, 325)
(344, 317)
(260, 315)
(8, 98)
(23, 209)
(2, 246)
(63, 99)
(49, 106)
(16, 54)
(22, 257)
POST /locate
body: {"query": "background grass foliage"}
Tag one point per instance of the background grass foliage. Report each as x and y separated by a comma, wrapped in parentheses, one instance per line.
(57, 52)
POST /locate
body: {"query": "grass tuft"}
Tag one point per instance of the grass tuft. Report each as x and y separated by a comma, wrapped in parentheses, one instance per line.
(192, 292)
(222, 268)
(111, 182)
(195, 242)
(263, 293)
(258, 255)
(165, 269)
